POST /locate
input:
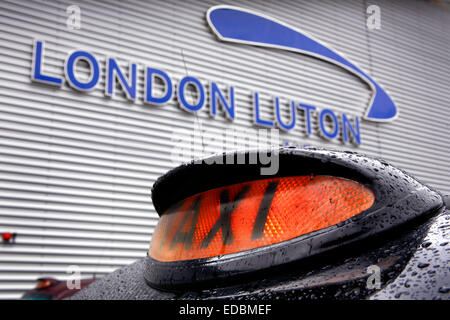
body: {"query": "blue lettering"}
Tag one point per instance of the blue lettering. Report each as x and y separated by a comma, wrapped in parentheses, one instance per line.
(283, 126)
(228, 106)
(308, 110)
(346, 124)
(38, 62)
(323, 114)
(256, 119)
(113, 72)
(200, 91)
(151, 74)
(70, 70)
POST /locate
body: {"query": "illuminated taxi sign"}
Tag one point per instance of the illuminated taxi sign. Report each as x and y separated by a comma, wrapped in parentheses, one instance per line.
(219, 223)
(255, 214)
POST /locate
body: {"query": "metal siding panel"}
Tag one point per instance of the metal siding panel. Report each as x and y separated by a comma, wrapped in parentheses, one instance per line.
(76, 169)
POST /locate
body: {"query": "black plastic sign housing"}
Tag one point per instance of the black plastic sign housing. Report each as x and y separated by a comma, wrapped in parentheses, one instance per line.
(399, 198)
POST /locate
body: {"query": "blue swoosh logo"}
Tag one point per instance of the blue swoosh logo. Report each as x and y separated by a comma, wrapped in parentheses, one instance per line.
(239, 25)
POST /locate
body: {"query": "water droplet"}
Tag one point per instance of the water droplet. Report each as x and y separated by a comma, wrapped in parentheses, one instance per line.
(423, 265)
(444, 289)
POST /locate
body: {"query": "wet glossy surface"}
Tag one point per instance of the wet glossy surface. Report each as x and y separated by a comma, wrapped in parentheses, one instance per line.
(399, 199)
(427, 274)
(388, 238)
(344, 276)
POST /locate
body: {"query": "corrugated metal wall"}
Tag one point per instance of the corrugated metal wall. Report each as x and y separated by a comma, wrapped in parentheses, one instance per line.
(76, 168)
